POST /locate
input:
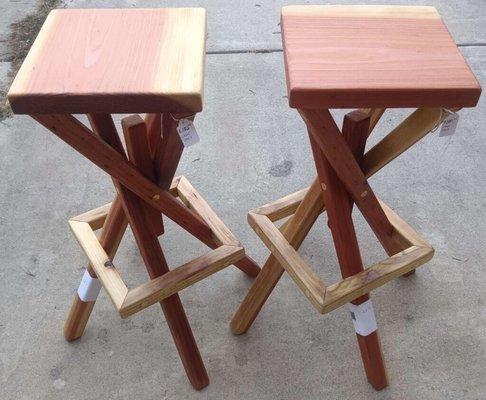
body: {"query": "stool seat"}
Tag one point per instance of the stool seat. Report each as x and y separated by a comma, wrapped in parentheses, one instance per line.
(373, 56)
(114, 61)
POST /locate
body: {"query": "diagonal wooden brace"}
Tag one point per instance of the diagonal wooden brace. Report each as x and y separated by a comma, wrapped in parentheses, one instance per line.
(74, 133)
(327, 136)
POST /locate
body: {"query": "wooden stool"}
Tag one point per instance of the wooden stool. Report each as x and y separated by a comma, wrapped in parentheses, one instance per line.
(100, 62)
(345, 57)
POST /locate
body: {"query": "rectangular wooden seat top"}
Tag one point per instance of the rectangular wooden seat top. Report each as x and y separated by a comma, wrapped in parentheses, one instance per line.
(114, 61)
(373, 56)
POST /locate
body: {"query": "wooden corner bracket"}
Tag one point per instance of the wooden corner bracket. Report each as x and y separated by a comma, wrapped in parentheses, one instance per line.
(130, 301)
(327, 298)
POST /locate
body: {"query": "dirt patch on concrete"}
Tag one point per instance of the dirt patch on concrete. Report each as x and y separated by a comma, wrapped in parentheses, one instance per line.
(22, 35)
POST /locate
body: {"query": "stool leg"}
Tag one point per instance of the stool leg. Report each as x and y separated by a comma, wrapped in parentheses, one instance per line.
(154, 135)
(172, 307)
(154, 130)
(153, 256)
(111, 235)
(139, 145)
(338, 207)
(295, 231)
(78, 317)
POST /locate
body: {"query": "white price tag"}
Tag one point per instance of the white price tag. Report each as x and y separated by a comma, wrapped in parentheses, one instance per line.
(187, 132)
(449, 124)
(89, 288)
(363, 318)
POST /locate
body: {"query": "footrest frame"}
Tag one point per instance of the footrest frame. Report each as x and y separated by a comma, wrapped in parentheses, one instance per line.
(327, 298)
(130, 301)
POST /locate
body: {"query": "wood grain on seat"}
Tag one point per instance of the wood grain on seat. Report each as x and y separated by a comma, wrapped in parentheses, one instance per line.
(114, 61)
(373, 56)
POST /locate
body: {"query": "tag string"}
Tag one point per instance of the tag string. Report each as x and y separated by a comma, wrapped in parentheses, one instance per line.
(444, 112)
(178, 119)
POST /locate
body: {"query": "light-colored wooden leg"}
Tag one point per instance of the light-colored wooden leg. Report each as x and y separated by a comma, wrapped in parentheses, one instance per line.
(295, 230)
(339, 207)
(111, 235)
(77, 319)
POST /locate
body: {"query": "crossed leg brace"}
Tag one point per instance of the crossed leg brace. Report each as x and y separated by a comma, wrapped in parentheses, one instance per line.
(342, 170)
(146, 187)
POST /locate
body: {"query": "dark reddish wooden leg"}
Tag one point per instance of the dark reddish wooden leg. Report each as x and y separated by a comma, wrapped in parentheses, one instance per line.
(339, 207)
(151, 252)
(137, 143)
(331, 142)
(154, 130)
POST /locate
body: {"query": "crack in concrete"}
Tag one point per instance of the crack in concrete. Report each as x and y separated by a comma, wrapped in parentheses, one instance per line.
(279, 50)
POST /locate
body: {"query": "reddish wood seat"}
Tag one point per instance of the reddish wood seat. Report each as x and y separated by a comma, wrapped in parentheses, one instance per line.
(115, 61)
(373, 56)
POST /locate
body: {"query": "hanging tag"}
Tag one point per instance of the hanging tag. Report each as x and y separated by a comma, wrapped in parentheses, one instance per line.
(363, 318)
(89, 288)
(187, 132)
(449, 124)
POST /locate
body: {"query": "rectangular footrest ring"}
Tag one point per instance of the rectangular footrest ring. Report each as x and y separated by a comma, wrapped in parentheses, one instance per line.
(128, 302)
(416, 252)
